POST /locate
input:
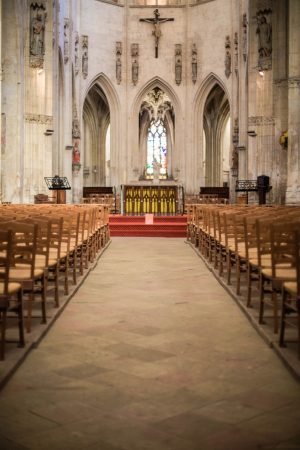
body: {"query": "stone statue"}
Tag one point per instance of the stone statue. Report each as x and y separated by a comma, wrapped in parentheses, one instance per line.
(264, 31)
(85, 63)
(66, 40)
(236, 53)
(118, 62)
(76, 58)
(227, 57)
(119, 70)
(135, 71)
(85, 56)
(37, 33)
(178, 63)
(76, 152)
(245, 37)
(194, 63)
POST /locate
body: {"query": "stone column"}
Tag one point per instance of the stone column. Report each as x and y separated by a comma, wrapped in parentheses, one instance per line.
(1, 121)
(293, 169)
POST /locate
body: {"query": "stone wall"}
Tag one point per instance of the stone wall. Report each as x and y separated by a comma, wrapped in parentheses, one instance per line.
(42, 132)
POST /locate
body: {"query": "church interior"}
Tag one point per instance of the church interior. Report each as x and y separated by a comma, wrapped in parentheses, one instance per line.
(150, 224)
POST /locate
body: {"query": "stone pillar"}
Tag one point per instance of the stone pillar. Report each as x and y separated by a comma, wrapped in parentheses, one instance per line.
(2, 122)
(293, 169)
(280, 68)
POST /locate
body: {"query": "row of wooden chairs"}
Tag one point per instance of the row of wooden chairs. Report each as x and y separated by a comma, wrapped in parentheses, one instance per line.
(263, 243)
(107, 199)
(39, 245)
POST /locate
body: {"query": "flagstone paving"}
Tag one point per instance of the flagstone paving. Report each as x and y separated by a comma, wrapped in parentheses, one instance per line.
(151, 353)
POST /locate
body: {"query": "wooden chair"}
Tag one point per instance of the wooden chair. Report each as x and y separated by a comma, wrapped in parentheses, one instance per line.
(22, 266)
(290, 307)
(11, 295)
(283, 268)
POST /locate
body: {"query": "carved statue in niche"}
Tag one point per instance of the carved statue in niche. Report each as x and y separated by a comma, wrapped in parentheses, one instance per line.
(264, 32)
(236, 53)
(245, 37)
(84, 56)
(135, 63)
(118, 62)
(178, 63)
(76, 57)
(76, 140)
(194, 63)
(227, 57)
(37, 34)
(66, 40)
(135, 71)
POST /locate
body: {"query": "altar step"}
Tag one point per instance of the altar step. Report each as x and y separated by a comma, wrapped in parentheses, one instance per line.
(163, 226)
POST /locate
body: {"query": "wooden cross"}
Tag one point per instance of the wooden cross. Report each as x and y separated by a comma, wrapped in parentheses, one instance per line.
(156, 24)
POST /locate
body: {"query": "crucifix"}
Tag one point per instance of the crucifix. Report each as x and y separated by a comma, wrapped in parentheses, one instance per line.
(156, 24)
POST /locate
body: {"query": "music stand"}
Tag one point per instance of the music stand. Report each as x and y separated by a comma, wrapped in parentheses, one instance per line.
(60, 185)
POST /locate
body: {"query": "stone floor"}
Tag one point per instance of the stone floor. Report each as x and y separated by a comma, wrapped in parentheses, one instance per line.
(151, 353)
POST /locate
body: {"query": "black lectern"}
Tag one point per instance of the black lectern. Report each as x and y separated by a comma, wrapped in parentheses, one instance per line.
(59, 185)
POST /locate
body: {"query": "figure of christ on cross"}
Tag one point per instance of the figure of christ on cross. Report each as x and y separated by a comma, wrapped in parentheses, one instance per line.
(156, 21)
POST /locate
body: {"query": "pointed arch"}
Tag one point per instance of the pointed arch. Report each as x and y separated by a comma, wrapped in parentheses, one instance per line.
(161, 84)
(136, 150)
(101, 83)
(210, 83)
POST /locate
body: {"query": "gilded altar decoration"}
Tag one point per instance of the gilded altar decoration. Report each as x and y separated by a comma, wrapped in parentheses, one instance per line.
(38, 17)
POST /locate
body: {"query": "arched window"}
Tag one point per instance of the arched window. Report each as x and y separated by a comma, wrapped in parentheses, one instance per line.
(157, 149)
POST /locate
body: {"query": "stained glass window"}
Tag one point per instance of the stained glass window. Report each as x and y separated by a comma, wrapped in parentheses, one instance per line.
(157, 148)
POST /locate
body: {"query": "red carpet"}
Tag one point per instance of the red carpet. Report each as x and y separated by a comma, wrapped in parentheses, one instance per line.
(163, 226)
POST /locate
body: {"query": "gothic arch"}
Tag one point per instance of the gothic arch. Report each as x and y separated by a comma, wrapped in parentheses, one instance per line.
(102, 84)
(210, 83)
(135, 151)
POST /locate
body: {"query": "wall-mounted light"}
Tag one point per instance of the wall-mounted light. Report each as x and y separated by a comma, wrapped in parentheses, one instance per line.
(261, 72)
(40, 71)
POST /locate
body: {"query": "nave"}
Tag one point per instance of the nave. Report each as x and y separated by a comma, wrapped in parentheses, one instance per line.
(151, 353)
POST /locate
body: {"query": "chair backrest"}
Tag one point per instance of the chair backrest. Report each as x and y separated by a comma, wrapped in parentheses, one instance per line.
(5, 251)
(284, 249)
(24, 241)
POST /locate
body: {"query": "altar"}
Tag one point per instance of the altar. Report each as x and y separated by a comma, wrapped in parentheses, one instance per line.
(160, 199)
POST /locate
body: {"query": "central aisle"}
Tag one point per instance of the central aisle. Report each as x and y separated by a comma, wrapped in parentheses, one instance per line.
(151, 353)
